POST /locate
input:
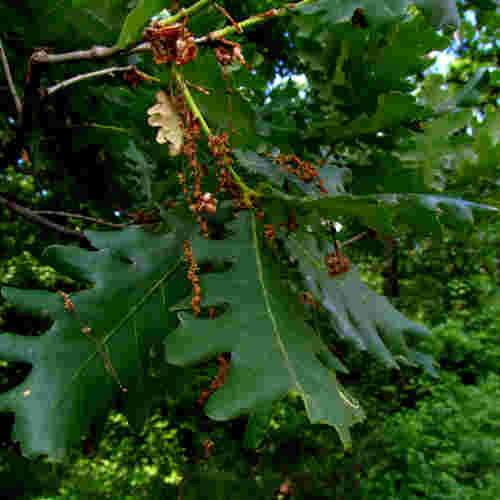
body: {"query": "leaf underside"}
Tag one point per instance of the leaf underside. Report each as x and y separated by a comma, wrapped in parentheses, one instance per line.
(357, 313)
(75, 377)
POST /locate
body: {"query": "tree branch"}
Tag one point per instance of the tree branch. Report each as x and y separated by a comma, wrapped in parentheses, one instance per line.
(85, 76)
(354, 239)
(96, 52)
(42, 221)
(82, 217)
(10, 80)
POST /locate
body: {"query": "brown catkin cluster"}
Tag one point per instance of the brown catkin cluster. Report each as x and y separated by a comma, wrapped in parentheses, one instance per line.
(227, 52)
(336, 262)
(292, 224)
(68, 304)
(302, 169)
(173, 43)
(269, 232)
(218, 381)
(221, 152)
(199, 202)
(306, 298)
(193, 278)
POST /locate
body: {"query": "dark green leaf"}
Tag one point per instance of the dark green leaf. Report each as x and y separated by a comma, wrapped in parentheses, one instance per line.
(343, 10)
(74, 377)
(427, 213)
(333, 177)
(222, 108)
(136, 21)
(273, 351)
(356, 312)
(392, 110)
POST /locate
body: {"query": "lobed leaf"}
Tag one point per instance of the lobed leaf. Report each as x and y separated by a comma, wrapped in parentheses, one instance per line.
(357, 313)
(74, 379)
(333, 177)
(273, 351)
(426, 213)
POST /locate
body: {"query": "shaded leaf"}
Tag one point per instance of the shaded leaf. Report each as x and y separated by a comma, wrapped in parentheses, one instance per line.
(136, 21)
(343, 10)
(333, 177)
(426, 213)
(437, 146)
(357, 313)
(222, 108)
(69, 22)
(392, 110)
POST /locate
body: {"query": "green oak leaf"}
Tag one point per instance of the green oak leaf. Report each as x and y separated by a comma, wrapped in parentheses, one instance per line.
(375, 10)
(356, 313)
(426, 213)
(440, 12)
(392, 110)
(136, 277)
(438, 95)
(222, 109)
(136, 21)
(437, 146)
(358, 71)
(68, 22)
(273, 351)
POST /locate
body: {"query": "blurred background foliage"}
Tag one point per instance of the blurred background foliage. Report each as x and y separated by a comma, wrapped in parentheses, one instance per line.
(433, 439)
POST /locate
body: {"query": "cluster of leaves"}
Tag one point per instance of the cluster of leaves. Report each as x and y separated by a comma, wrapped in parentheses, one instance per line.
(447, 448)
(361, 62)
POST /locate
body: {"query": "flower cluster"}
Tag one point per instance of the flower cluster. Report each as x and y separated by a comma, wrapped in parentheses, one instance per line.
(193, 278)
(199, 202)
(173, 43)
(302, 169)
(68, 304)
(227, 52)
(269, 232)
(221, 152)
(217, 382)
(336, 262)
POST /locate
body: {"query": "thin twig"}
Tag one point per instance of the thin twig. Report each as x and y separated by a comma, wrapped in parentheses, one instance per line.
(82, 217)
(96, 52)
(199, 88)
(85, 76)
(238, 27)
(42, 221)
(226, 14)
(10, 80)
(111, 128)
(354, 239)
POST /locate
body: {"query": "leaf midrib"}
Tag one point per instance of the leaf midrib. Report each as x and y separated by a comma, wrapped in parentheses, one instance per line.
(267, 303)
